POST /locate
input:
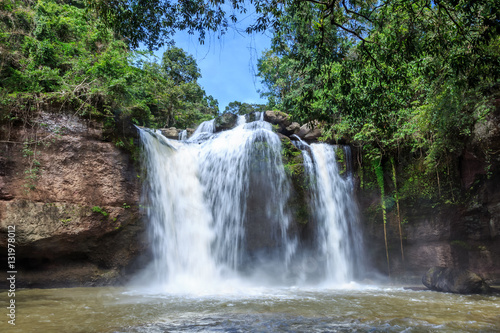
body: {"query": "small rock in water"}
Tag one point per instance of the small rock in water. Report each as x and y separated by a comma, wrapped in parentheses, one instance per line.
(455, 280)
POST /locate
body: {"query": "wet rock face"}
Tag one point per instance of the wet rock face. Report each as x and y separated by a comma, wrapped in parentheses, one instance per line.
(309, 132)
(225, 121)
(252, 116)
(454, 280)
(77, 218)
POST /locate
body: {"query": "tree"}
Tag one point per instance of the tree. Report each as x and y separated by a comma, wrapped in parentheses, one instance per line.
(244, 108)
(153, 22)
(179, 66)
(54, 53)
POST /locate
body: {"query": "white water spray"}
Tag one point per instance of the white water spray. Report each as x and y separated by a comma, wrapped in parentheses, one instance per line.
(334, 212)
(197, 198)
(217, 209)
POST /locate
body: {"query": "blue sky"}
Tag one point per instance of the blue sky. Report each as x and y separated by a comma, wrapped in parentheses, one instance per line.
(228, 64)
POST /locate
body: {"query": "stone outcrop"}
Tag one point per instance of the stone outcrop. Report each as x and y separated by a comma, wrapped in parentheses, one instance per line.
(292, 129)
(225, 121)
(309, 132)
(282, 122)
(277, 118)
(286, 127)
(171, 132)
(73, 199)
(454, 280)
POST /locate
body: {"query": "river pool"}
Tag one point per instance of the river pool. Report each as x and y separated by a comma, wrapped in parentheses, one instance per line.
(253, 309)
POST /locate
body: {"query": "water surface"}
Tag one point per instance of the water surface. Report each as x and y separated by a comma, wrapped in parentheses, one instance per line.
(363, 309)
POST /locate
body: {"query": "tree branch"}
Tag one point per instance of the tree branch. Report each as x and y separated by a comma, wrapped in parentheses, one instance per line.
(355, 13)
(351, 32)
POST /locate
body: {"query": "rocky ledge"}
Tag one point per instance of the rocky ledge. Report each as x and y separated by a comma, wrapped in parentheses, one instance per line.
(282, 121)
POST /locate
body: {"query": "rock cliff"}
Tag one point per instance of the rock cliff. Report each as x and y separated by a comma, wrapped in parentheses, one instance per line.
(462, 234)
(73, 199)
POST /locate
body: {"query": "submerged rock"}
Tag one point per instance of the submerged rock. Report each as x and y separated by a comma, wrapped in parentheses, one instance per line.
(225, 121)
(454, 280)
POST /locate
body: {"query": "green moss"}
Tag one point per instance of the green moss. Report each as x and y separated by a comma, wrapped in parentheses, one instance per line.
(461, 243)
(97, 209)
(300, 182)
(341, 159)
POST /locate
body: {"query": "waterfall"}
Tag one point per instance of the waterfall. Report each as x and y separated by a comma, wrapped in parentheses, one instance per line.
(203, 131)
(210, 198)
(334, 212)
(183, 135)
(178, 216)
(217, 207)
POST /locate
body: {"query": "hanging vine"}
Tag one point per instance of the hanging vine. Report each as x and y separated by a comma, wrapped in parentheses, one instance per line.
(379, 171)
(396, 199)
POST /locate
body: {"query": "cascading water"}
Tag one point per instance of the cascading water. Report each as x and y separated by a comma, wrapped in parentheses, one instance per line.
(183, 135)
(217, 207)
(209, 197)
(334, 210)
(179, 218)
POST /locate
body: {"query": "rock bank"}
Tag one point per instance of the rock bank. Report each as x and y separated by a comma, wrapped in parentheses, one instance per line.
(454, 280)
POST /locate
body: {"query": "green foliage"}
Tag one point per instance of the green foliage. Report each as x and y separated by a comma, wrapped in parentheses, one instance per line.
(65, 221)
(244, 108)
(462, 244)
(179, 66)
(404, 77)
(60, 54)
(340, 158)
(33, 166)
(97, 209)
(379, 172)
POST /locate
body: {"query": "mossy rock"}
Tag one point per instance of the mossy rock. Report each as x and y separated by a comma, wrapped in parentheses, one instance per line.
(225, 121)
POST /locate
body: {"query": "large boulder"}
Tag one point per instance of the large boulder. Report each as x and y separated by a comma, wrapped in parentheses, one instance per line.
(309, 132)
(171, 132)
(277, 118)
(455, 280)
(285, 125)
(225, 121)
(293, 128)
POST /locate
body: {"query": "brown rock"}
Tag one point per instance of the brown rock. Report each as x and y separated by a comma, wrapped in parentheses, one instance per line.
(171, 132)
(293, 128)
(454, 280)
(277, 118)
(309, 131)
(57, 229)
